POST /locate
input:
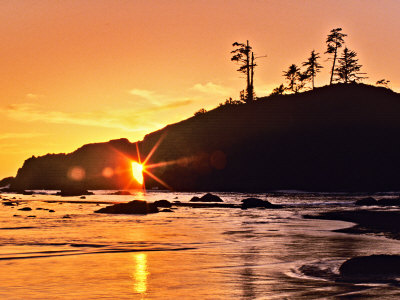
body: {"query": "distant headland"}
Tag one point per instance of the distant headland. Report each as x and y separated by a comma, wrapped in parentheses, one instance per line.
(342, 137)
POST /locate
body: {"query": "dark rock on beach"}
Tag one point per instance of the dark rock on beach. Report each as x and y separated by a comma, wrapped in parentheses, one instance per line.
(207, 198)
(369, 201)
(368, 221)
(374, 268)
(255, 202)
(137, 207)
(8, 203)
(163, 203)
(389, 202)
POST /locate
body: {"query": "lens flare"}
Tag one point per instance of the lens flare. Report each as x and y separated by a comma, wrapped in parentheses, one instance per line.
(137, 172)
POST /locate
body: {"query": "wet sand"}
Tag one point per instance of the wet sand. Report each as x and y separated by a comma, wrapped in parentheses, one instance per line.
(380, 222)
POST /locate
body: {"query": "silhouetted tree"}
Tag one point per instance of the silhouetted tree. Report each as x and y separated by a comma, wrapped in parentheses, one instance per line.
(383, 82)
(230, 101)
(313, 67)
(245, 57)
(295, 78)
(200, 112)
(303, 78)
(291, 76)
(348, 69)
(334, 41)
(278, 90)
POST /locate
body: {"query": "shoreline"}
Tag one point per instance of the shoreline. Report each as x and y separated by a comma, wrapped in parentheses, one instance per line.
(367, 221)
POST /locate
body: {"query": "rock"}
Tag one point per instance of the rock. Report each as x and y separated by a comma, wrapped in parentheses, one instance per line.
(51, 210)
(67, 217)
(16, 215)
(207, 198)
(163, 203)
(25, 209)
(39, 208)
(177, 201)
(255, 202)
(32, 216)
(374, 268)
(126, 193)
(389, 202)
(73, 192)
(138, 207)
(167, 210)
(211, 198)
(369, 201)
(8, 203)
(27, 193)
(82, 197)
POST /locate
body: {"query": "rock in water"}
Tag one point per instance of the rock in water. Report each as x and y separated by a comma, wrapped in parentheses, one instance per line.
(374, 268)
(137, 207)
(255, 202)
(73, 192)
(369, 201)
(163, 203)
(25, 209)
(195, 199)
(122, 193)
(207, 198)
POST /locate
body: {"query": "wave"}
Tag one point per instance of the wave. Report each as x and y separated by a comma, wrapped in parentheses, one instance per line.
(61, 253)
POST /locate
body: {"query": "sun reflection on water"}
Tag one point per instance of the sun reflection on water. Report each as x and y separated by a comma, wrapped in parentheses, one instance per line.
(140, 273)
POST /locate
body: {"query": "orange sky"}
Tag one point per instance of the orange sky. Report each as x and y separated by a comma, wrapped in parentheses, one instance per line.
(76, 72)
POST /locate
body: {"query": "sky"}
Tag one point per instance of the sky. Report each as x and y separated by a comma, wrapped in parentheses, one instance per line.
(78, 72)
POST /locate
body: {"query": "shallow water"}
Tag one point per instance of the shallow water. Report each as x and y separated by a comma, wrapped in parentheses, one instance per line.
(191, 253)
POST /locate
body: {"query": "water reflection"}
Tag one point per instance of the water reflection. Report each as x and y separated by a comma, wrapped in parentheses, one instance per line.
(248, 279)
(140, 273)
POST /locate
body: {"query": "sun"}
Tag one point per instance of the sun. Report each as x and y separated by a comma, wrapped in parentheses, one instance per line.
(137, 171)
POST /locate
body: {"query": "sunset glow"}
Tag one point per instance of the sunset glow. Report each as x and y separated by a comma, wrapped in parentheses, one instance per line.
(92, 71)
(137, 172)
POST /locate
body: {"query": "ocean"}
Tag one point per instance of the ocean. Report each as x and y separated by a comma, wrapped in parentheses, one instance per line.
(190, 253)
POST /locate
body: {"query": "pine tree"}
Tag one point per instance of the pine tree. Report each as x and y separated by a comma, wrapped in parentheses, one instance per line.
(245, 57)
(278, 90)
(296, 79)
(313, 67)
(334, 41)
(349, 68)
(291, 76)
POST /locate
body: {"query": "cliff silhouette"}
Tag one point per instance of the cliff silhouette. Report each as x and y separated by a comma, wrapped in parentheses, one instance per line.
(343, 137)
